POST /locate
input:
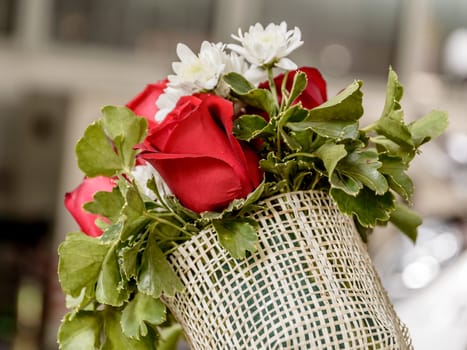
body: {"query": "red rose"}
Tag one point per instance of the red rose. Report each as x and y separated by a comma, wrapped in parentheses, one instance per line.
(195, 152)
(314, 93)
(84, 193)
(144, 104)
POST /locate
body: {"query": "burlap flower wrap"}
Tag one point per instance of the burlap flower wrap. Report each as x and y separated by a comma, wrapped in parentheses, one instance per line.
(310, 285)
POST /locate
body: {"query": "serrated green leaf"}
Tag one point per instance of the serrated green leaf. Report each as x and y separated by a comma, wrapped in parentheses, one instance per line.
(95, 153)
(335, 129)
(346, 106)
(126, 130)
(363, 167)
(238, 83)
(108, 204)
(134, 206)
(394, 92)
(393, 127)
(130, 258)
(330, 154)
(238, 236)
(79, 331)
(143, 308)
(391, 123)
(249, 126)
(392, 149)
(406, 220)
(246, 92)
(80, 302)
(156, 276)
(133, 227)
(169, 337)
(290, 141)
(80, 262)
(299, 84)
(347, 184)
(368, 207)
(111, 233)
(115, 338)
(428, 127)
(110, 284)
(399, 181)
(134, 221)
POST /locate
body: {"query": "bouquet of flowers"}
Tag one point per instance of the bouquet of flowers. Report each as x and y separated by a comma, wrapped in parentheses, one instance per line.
(235, 128)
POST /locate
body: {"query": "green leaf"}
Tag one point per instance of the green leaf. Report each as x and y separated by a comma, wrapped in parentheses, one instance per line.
(79, 331)
(335, 129)
(347, 184)
(299, 84)
(406, 220)
(169, 337)
(143, 308)
(391, 123)
(428, 127)
(95, 153)
(108, 204)
(346, 106)
(392, 149)
(399, 181)
(126, 130)
(246, 92)
(393, 127)
(249, 126)
(238, 83)
(394, 92)
(80, 262)
(115, 338)
(251, 200)
(330, 154)
(238, 236)
(111, 233)
(110, 288)
(135, 221)
(130, 258)
(363, 167)
(134, 207)
(294, 114)
(156, 276)
(368, 207)
(284, 171)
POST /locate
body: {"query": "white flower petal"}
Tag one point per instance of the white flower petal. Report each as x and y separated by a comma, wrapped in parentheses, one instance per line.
(184, 53)
(145, 172)
(267, 46)
(286, 64)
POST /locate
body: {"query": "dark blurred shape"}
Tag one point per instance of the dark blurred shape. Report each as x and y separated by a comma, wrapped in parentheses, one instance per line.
(31, 138)
(130, 23)
(7, 17)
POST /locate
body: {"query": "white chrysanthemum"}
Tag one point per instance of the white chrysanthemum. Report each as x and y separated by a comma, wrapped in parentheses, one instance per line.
(196, 73)
(142, 174)
(268, 46)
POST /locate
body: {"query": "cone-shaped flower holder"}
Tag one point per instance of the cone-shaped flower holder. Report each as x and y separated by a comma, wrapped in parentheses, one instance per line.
(310, 285)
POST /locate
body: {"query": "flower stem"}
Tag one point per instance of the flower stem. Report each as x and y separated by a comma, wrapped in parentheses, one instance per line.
(272, 87)
(299, 154)
(159, 219)
(370, 127)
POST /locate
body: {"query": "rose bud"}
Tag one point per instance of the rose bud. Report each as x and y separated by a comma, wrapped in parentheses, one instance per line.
(84, 193)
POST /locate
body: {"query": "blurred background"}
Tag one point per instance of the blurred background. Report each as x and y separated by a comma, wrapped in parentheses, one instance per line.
(62, 60)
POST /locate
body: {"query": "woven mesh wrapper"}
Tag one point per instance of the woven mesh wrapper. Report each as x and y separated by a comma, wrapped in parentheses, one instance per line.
(310, 285)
